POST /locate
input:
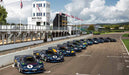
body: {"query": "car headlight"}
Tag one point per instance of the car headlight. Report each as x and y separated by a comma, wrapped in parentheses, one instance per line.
(75, 48)
(54, 56)
(68, 51)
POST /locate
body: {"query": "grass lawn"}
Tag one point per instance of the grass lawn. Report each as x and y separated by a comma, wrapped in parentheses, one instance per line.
(107, 32)
(125, 35)
(126, 42)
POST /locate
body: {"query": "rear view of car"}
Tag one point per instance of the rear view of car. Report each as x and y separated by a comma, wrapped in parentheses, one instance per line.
(28, 64)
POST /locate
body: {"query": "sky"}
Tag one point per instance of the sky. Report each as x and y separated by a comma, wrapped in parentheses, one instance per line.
(91, 11)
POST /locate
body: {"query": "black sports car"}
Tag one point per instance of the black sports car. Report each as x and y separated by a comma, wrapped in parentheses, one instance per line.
(111, 39)
(105, 39)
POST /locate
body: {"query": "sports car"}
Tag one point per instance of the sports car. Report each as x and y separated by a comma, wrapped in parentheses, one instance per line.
(74, 47)
(51, 55)
(104, 39)
(99, 40)
(28, 64)
(67, 51)
(89, 42)
(93, 41)
(82, 41)
(80, 44)
(111, 39)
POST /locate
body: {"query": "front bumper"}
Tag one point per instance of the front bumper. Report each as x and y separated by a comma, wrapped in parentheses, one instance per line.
(55, 60)
(32, 71)
(78, 50)
(70, 54)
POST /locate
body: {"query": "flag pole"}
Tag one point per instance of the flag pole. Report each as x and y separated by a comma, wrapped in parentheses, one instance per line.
(21, 5)
(20, 19)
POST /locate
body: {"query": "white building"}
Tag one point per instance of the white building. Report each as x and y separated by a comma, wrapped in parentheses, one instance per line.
(40, 15)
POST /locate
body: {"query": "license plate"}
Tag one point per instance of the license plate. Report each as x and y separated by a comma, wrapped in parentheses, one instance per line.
(34, 69)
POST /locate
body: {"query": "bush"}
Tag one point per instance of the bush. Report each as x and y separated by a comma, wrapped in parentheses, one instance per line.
(96, 33)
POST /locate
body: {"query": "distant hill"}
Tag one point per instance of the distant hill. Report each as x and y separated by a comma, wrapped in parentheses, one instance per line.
(123, 23)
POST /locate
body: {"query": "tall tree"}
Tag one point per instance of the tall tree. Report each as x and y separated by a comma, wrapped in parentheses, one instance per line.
(91, 27)
(3, 15)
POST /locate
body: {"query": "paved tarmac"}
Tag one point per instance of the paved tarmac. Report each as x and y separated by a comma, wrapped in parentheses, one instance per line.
(99, 59)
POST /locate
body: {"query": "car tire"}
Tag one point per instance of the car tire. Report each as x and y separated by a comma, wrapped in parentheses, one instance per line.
(45, 59)
(15, 65)
(19, 70)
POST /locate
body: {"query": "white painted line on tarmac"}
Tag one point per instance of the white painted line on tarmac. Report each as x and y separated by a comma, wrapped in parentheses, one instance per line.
(114, 56)
(125, 53)
(85, 74)
(83, 55)
(82, 74)
(127, 66)
(124, 45)
(126, 56)
(47, 72)
(5, 67)
(126, 61)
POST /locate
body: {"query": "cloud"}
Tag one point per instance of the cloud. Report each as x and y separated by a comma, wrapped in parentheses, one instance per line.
(95, 11)
(92, 11)
(14, 11)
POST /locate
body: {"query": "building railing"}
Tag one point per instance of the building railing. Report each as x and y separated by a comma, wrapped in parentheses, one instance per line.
(32, 28)
(22, 27)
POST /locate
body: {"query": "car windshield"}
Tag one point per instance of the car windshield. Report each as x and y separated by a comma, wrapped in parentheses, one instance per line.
(29, 60)
(50, 52)
(76, 43)
(64, 48)
(70, 45)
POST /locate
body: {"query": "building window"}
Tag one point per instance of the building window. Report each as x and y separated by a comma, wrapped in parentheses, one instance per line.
(33, 14)
(39, 14)
(44, 14)
(48, 5)
(48, 14)
(39, 5)
(33, 5)
(44, 23)
(44, 4)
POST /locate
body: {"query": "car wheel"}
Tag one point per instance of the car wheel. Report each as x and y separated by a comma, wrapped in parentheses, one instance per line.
(15, 65)
(19, 70)
(45, 59)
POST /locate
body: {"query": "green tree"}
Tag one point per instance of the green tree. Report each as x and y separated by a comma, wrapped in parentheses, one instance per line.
(91, 27)
(3, 15)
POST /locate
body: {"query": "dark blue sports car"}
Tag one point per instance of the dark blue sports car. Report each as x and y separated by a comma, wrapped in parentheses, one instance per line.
(111, 39)
(99, 40)
(89, 42)
(104, 39)
(82, 42)
(50, 55)
(95, 41)
(67, 51)
(28, 64)
(79, 44)
(74, 47)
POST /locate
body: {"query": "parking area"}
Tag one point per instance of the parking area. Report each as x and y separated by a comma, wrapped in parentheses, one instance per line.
(99, 59)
